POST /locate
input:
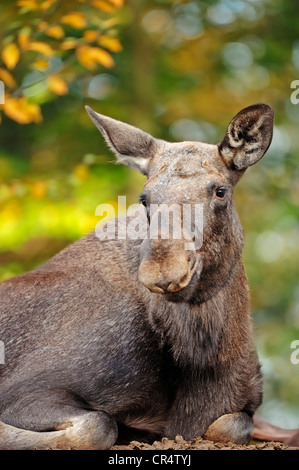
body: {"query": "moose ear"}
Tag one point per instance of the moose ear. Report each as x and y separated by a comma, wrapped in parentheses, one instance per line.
(248, 136)
(131, 146)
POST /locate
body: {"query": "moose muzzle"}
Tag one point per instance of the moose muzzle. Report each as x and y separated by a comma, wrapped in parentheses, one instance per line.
(167, 263)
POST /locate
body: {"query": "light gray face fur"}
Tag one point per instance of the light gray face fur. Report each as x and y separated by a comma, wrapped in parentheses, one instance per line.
(189, 173)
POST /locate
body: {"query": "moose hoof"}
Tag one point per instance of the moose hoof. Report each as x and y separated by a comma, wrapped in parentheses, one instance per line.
(235, 427)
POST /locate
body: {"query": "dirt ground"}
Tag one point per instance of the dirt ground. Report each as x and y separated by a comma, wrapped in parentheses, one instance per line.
(200, 444)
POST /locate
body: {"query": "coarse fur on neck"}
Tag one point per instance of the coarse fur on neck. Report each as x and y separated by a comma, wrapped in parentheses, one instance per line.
(194, 332)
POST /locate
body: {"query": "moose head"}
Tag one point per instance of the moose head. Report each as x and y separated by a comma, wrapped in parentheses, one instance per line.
(185, 175)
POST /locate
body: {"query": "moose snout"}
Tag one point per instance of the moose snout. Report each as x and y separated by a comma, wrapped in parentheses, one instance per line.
(164, 285)
(165, 270)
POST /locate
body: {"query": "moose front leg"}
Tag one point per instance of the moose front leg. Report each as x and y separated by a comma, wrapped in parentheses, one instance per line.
(203, 407)
(232, 427)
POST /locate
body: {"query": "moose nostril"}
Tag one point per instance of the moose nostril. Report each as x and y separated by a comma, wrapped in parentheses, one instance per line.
(173, 286)
(184, 279)
(163, 285)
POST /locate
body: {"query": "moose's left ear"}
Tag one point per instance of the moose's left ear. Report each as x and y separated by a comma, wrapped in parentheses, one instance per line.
(248, 136)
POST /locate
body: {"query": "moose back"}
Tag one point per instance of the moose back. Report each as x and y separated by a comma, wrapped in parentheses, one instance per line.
(118, 338)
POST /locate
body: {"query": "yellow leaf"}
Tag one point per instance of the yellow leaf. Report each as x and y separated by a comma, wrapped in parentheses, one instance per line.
(68, 44)
(56, 32)
(102, 5)
(10, 55)
(89, 57)
(29, 4)
(42, 47)
(118, 3)
(57, 85)
(47, 4)
(75, 19)
(24, 37)
(21, 111)
(107, 5)
(90, 35)
(113, 44)
(41, 64)
(81, 172)
(7, 78)
(85, 58)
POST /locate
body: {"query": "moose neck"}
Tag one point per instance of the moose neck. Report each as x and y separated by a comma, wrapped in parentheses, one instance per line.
(193, 330)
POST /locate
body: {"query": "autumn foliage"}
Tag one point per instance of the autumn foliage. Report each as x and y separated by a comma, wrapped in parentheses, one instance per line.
(54, 41)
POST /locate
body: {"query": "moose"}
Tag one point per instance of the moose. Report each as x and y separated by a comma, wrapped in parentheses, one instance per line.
(117, 338)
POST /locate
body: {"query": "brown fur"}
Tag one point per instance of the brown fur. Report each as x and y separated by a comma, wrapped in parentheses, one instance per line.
(140, 334)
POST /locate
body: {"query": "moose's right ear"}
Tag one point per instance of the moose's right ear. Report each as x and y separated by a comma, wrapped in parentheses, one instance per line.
(248, 136)
(132, 147)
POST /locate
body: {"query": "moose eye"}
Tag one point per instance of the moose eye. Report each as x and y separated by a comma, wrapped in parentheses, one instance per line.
(142, 200)
(220, 193)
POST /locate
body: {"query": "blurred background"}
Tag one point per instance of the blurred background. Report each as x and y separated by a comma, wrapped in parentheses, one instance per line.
(179, 70)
